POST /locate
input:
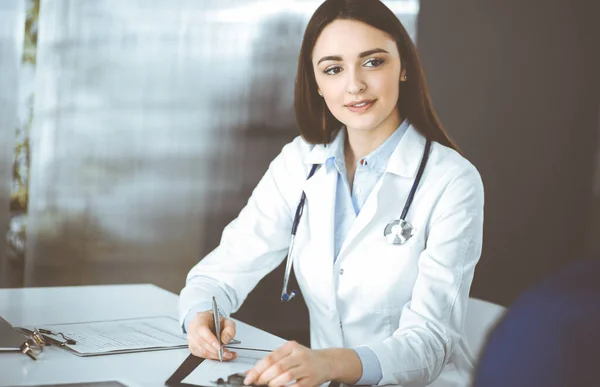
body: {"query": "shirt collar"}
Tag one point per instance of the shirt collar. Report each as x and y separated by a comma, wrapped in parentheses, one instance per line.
(404, 161)
(337, 157)
(376, 160)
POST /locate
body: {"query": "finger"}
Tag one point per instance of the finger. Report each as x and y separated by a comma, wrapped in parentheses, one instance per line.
(280, 373)
(229, 355)
(228, 331)
(200, 351)
(214, 353)
(267, 362)
(209, 348)
(208, 336)
(192, 340)
(197, 350)
(286, 377)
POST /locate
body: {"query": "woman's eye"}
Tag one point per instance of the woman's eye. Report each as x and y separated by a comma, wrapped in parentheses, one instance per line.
(332, 70)
(374, 62)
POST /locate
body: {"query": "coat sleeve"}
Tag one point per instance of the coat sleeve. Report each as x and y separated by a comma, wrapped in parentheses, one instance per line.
(251, 245)
(431, 323)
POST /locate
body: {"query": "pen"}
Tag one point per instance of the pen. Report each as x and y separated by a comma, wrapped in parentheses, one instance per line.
(217, 327)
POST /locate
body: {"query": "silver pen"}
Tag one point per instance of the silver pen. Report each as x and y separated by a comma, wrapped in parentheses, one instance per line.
(217, 319)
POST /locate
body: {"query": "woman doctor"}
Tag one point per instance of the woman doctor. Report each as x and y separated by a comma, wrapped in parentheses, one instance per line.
(385, 272)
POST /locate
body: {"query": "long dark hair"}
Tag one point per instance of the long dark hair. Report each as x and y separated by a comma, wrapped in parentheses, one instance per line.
(317, 124)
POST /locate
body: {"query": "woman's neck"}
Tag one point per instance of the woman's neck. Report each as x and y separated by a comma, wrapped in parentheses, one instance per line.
(360, 143)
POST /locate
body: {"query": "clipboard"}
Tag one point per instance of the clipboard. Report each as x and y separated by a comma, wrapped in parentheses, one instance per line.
(189, 365)
(192, 362)
(154, 333)
(10, 338)
(183, 371)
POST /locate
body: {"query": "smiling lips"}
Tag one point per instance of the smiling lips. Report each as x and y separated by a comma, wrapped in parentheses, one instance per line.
(361, 106)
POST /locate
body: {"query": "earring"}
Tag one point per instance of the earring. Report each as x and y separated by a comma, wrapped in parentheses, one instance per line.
(319, 91)
(404, 78)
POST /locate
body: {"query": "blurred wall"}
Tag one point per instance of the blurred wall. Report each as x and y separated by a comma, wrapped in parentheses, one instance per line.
(12, 22)
(517, 85)
(593, 245)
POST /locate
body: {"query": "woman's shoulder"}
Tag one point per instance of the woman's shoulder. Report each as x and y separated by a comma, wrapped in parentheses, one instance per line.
(289, 169)
(291, 164)
(298, 149)
(294, 154)
(453, 165)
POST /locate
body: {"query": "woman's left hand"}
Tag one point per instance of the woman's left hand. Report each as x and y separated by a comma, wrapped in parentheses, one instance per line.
(291, 361)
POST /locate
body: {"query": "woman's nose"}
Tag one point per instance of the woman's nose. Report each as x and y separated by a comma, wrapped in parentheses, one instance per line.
(356, 84)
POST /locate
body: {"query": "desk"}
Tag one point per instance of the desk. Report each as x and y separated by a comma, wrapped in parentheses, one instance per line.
(37, 306)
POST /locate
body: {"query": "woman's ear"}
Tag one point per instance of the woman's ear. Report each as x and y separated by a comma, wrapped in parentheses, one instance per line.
(403, 76)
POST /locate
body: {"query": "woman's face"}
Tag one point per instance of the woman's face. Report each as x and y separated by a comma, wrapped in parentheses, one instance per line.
(357, 69)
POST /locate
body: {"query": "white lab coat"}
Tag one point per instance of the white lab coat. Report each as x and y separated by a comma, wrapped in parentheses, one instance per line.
(407, 303)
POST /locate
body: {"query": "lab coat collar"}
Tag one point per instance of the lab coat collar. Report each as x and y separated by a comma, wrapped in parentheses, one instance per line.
(404, 161)
(406, 158)
(321, 153)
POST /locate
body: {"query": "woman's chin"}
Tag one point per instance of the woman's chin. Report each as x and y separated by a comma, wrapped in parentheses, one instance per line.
(361, 127)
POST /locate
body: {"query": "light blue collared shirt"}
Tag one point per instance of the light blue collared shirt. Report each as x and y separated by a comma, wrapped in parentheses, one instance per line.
(369, 170)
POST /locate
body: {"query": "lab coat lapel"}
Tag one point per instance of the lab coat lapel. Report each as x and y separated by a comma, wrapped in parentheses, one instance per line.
(364, 217)
(320, 200)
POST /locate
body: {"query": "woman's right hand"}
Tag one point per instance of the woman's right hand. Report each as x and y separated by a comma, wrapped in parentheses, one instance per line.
(202, 340)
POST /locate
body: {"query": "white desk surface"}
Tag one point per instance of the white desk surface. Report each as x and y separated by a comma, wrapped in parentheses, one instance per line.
(53, 305)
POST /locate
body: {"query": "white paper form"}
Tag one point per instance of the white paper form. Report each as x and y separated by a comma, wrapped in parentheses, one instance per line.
(115, 336)
(209, 371)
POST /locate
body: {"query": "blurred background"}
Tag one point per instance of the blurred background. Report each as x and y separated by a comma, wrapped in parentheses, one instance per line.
(132, 132)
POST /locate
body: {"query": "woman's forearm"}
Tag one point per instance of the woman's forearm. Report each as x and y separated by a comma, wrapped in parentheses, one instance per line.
(344, 365)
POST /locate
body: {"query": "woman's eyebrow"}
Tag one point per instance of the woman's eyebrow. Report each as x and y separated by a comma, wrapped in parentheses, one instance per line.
(361, 55)
(330, 57)
(371, 52)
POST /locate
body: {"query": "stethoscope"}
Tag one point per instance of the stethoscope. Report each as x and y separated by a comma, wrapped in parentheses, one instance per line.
(396, 232)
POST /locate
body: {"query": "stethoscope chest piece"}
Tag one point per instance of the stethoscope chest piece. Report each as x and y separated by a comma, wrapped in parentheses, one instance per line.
(398, 231)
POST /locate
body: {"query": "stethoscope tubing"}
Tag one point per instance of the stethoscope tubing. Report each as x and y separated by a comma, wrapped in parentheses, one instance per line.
(415, 185)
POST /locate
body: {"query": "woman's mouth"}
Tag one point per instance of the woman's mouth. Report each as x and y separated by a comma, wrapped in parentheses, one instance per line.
(361, 106)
